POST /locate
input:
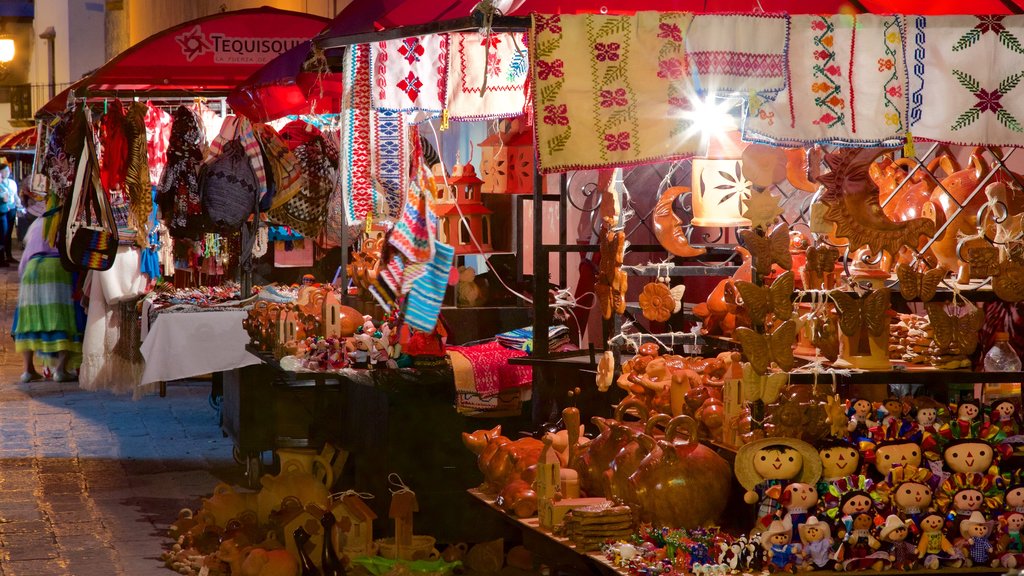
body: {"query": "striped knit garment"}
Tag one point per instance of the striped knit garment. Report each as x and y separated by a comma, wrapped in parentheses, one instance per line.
(424, 301)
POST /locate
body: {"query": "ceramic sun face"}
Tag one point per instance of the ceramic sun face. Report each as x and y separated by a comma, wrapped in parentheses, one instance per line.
(778, 463)
(969, 456)
(896, 454)
(913, 496)
(839, 461)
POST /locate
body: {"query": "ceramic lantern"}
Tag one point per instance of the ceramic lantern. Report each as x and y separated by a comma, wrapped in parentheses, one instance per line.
(506, 163)
(718, 184)
(462, 201)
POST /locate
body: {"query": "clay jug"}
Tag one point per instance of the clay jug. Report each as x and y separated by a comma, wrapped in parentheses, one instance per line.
(948, 198)
(594, 458)
(681, 483)
(616, 477)
(291, 481)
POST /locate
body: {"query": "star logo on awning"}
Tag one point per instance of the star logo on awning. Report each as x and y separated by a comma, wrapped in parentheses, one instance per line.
(194, 43)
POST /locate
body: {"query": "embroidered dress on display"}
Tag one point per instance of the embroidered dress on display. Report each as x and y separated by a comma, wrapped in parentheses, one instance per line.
(504, 59)
(847, 85)
(410, 73)
(975, 64)
(739, 53)
(358, 193)
(611, 90)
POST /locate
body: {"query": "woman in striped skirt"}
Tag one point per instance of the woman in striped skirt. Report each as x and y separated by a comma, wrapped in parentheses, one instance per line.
(48, 322)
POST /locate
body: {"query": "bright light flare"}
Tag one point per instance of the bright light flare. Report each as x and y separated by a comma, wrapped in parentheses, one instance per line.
(6, 50)
(710, 119)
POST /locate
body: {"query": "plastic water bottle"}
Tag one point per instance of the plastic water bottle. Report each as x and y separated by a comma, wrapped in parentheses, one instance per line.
(1001, 356)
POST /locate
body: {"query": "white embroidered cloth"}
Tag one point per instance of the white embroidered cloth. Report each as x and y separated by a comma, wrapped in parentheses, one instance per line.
(972, 69)
(410, 73)
(739, 52)
(506, 64)
(847, 85)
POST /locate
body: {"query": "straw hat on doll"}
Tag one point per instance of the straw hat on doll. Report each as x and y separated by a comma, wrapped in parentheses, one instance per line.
(749, 478)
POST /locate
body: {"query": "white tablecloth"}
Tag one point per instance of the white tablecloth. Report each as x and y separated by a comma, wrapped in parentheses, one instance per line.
(188, 344)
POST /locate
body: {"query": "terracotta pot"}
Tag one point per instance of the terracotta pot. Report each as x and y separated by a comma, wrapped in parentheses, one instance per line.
(226, 504)
(292, 481)
(681, 484)
(616, 477)
(954, 192)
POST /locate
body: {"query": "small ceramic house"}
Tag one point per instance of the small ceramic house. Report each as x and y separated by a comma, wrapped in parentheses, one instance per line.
(293, 515)
(359, 538)
(462, 200)
(332, 315)
(507, 160)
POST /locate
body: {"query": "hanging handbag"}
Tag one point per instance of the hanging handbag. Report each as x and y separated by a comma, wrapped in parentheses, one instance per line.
(88, 236)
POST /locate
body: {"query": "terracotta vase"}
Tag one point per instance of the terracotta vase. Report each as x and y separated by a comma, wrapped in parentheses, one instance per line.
(681, 483)
(616, 477)
(947, 198)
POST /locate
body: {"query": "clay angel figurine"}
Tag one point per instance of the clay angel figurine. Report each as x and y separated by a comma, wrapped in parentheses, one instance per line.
(894, 534)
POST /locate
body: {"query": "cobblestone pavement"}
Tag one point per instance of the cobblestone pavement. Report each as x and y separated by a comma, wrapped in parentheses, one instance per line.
(89, 482)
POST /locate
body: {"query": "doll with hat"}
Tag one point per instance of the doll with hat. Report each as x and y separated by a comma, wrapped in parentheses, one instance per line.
(963, 493)
(798, 500)
(1010, 545)
(974, 542)
(933, 548)
(859, 549)
(769, 462)
(907, 492)
(929, 415)
(816, 544)
(782, 554)
(894, 535)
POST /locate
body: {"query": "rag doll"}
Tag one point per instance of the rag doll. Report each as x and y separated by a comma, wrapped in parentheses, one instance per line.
(1011, 545)
(898, 452)
(1004, 418)
(974, 543)
(968, 422)
(907, 491)
(929, 428)
(859, 549)
(933, 548)
(816, 544)
(852, 504)
(798, 501)
(861, 418)
(764, 464)
(893, 534)
(782, 554)
(895, 424)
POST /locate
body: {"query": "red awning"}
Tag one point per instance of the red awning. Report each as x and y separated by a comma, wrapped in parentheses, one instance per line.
(206, 56)
(23, 139)
(281, 88)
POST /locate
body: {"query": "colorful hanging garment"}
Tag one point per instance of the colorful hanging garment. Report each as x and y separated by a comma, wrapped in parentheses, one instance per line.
(739, 53)
(284, 166)
(972, 67)
(331, 237)
(358, 193)
(158, 133)
(137, 185)
(389, 149)
(60, 164)
(240, 128)
(503, 58)
(307, 210)
(410, 73)
(178, 193)
(847, 85)
(424, 301)
(114, 153)
(610, 90)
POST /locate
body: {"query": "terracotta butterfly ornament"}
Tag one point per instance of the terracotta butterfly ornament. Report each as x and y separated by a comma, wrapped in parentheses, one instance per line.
(757, 386)
(774, 299)
(915, 284)
(862, 314)
(668, 228)
(763, 349)
(768, 250)
(955, 334)
(821, 261)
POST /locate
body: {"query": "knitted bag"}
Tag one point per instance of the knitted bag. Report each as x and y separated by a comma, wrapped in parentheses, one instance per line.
(307, 210)
(228, 188)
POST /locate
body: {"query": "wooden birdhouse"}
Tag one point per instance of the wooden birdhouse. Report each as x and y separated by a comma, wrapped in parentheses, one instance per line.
(293, 515)
(403, 505)
(359, 537)
(507, 159)
(464, 187)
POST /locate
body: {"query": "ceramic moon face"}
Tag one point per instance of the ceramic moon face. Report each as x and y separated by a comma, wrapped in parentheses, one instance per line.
(838, 461)
(969, 456)
(778, 463)
(901, 454)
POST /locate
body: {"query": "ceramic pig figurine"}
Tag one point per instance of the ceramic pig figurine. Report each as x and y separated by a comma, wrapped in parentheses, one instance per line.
(501, 460)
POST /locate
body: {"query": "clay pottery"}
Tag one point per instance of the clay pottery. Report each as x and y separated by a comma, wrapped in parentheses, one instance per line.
(226, 504)
(486, 557)
(309, 461)
(291, 481)
(593, 459)
(680, 483)
(622, 466)
(422, 548)
(349, 319)
(953, 193)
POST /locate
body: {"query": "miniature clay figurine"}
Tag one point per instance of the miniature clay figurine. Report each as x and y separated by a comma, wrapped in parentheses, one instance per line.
(816, 547)
(797, 500)
(859, 550)
(1011, 545)
(893, 534)
(975, 545)
(774, 462)
(782, 555)
(934, 548)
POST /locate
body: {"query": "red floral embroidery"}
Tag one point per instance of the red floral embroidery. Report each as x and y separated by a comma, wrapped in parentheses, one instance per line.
(680, 104)
(895, 91)
(885, 64)
(670, 31)
(411, 85)
(411, 49)
(615, 97)
(493, 64)
(818, 25)
(493, 40)
(616, 142)
(556, 114)
(606, 52)
(550, 23)
(988, 101)
(671, 69)
(833, 70)
(990, 24)
(551, 69)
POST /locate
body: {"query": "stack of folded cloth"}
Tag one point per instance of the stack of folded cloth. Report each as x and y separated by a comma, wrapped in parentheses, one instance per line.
(591, 526)
(522, 338)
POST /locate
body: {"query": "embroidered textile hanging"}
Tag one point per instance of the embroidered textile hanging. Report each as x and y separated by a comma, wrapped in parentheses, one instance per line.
(609, 90)
(847, 85)
(389, 149)
(358, 193)
(504, 59)
(409, 73)
(972, 67)
(740, 53)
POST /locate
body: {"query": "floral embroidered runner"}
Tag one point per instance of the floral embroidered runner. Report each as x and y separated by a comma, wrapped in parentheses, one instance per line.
(847, 85)
(741, 53)
(610, 90)
(971, 67)
(506, 63)
(410, 73)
